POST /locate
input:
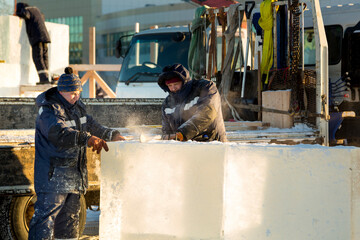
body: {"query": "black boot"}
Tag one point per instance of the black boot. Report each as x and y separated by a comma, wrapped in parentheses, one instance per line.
(44, 78)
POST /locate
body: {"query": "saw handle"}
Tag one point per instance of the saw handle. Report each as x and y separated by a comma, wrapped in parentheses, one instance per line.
(249, 6)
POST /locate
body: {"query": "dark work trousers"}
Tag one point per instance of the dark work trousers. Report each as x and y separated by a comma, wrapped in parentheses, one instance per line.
(56, 215)
(41, 59)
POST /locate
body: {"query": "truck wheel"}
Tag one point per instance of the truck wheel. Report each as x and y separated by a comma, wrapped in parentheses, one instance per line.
(22, 210)
(82, 216)
(18, 212)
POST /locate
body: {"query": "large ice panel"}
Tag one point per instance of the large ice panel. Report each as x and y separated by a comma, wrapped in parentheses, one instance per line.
(172, 190)
(290, 192)
(162, 191)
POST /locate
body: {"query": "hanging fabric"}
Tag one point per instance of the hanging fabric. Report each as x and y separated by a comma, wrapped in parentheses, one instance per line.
(266, 23)
(222, 20)
(229, 66)
(233, 20)
(197, 49)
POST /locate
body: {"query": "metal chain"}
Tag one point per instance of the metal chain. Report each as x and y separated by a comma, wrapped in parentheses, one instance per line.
(295, 84)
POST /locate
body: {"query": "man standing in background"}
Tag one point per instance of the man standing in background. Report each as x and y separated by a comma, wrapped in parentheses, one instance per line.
(38, 38)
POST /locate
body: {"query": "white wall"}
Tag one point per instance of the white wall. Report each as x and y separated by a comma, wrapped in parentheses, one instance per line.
(171, 190)
(18, 67)
(110, 6)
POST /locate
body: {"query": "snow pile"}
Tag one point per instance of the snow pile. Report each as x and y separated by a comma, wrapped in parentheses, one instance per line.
(172, 190)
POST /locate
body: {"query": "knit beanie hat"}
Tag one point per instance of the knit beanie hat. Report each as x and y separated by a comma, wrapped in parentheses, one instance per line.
(173, 80)
(69, 82)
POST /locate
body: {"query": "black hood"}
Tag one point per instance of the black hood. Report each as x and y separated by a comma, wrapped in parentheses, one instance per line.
(173, 71)
(47, 97)
(20, 6)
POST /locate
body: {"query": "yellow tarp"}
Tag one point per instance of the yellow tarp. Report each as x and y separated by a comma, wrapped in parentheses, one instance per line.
(266, 23)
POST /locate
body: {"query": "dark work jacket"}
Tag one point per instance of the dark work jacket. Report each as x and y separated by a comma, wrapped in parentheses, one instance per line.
(35, 24)
(195, 110)
(61, 135)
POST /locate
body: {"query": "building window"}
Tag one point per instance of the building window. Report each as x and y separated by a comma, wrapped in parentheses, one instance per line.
(76, 36)
(110, 40)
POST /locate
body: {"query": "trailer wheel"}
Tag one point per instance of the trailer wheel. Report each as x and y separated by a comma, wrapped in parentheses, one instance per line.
(18, 212)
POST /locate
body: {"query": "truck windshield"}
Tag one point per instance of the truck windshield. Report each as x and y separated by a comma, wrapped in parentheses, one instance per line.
(334, 35)
(149, 54)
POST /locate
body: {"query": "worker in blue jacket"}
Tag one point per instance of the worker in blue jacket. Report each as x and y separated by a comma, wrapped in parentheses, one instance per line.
(192, 110)
(38, 37)
(63, 132)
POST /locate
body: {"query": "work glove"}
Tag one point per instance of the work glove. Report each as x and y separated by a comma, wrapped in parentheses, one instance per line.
(117, 137)
(97, 144)
(177, 136)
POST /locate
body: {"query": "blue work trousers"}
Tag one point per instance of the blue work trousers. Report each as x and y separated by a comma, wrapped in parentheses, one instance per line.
(56, 215)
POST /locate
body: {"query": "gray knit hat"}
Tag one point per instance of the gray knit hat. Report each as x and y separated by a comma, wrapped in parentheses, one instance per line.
(69, 82)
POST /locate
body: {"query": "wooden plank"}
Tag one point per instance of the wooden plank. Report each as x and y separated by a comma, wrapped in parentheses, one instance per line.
(248, 124)
(35, 88)
(279, 100)
(92, 85)
(92, 45)
(241, 128)
(96, 67)
(245, 126)
(103, 85)
(85, 77)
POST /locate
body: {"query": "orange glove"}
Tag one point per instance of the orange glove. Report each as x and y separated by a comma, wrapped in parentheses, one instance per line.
(117, 137)
(97, 144)
(179, 137)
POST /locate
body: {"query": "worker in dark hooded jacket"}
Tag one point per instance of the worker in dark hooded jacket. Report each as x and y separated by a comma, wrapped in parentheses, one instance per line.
(38, 38)
(63, 132)
(192, 110)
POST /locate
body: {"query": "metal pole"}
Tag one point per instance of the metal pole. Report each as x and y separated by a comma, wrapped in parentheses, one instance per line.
(322, 90)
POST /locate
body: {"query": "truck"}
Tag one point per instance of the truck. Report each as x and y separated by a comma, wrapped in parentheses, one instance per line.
(17, 114)
(147, 54)
(145, 57)
(314, 57)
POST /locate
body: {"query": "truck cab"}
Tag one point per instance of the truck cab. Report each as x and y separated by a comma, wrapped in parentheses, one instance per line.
(148, 53)
(342, 28)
